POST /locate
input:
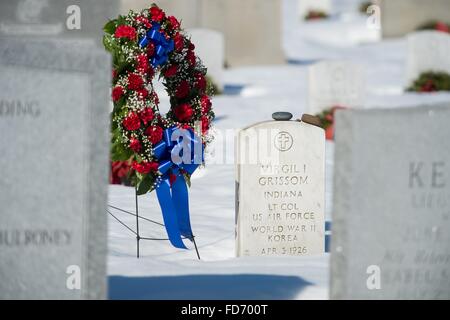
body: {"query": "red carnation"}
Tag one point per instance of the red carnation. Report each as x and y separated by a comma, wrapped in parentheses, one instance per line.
(132, 122)
(155, 98)
(184, 112)
(142, 63)
(145, 167)
(146, 115)
(125, 32)
(205, 124)
(174, 22)
(201, 82)
(182, 89)
(179, 42)
(142, 93)
(157, 14)
(191, 57)
(191, 46)
(171, 71)
(443, 27)
(117, 93)
(205, 103)
(428, 86)
(172, 178)
(144, 21)
(150, 49)
(135, 81)
(135, 145)
(154, 133)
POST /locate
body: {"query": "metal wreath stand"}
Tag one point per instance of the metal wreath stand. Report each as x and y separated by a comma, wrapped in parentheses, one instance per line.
(136, 232)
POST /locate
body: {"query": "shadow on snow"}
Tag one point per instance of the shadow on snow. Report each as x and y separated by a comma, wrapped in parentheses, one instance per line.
(209, 287)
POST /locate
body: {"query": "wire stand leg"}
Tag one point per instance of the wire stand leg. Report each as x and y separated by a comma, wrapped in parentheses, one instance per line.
(137, 223)
(196, 249)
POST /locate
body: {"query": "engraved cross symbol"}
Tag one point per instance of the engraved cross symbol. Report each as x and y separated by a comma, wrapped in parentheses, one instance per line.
(283, 141)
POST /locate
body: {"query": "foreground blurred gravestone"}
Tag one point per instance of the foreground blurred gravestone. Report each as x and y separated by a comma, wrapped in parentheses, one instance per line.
(335, 83)
(399, 17)
(305, 6)
(60, 18)
(427, 51)
(280, 189)
(391, 216)
(54, 169)
(210, 47)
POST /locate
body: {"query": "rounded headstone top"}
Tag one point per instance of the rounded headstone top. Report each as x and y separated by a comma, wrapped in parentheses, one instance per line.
(282, 116)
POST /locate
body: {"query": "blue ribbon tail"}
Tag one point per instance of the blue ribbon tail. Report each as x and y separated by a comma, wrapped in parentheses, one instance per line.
(181, 202)
(169, 213)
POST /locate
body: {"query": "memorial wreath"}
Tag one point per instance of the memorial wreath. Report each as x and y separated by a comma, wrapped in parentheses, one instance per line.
(145, 45)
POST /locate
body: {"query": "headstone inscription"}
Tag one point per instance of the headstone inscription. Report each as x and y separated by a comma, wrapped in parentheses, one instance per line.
(280, 189)
(54, 127)
(391, 212)
(335, 83)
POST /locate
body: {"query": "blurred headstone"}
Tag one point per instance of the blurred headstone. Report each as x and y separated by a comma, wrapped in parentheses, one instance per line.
(391, 211)
(335, 83)
(427, 51)
(399, 17)
(210, 47)
(252, 29)
(305, 6)
(280, 178)
(66, 19)
(54, 121)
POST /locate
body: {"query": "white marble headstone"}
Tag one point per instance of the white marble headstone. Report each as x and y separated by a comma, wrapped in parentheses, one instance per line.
(391, 209)
(335, 83)
(427, 51)
(210, 48)
(54, 124)
(304, 6)
(280, 189)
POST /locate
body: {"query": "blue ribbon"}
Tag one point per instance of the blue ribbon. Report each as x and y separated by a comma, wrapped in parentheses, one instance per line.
(162, 46)
(184, 153)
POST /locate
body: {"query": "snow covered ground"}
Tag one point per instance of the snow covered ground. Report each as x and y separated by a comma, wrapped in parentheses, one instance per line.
(252, 94)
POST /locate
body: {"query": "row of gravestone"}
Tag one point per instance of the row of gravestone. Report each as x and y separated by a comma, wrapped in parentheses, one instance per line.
(391, 199)
(397, 17)
(342, 83)
(391, 185)
(391, 212)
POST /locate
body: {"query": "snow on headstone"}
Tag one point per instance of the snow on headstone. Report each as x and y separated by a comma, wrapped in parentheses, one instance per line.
(210, 47)
(54, 111)
(280, 189)
(305, 6)
(335, 83)
(391, 211)
(427, 51)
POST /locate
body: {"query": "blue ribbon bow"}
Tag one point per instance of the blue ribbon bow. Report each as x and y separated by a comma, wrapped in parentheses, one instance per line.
(162, 46)
(180, 150)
